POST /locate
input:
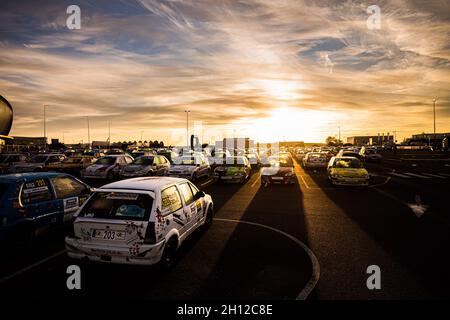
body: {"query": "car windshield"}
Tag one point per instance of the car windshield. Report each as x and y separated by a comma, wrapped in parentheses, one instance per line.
(118, 205)
(38, 159)
(232, 162)
(316, 155)
(72, 160)
(347, 163)
(107, 161)
(280, 162)
(144, 161)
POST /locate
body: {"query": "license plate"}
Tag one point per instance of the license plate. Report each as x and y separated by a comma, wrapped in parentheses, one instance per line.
(226, 178)
(277, 178)
(108, 234)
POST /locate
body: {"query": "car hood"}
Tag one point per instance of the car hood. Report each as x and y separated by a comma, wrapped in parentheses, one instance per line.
(229, 171)
(270, 171)
(183, 168)
(136, 167)
(27, 164)
(349, 172)
(95, 167)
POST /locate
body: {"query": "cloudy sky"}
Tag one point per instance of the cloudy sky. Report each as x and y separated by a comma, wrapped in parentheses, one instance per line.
(272, 70)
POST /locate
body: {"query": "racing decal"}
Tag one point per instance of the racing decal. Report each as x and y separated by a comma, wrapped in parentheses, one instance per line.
(70, 204)
(35, 190)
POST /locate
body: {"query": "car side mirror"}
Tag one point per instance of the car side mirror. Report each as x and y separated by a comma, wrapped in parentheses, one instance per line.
(199, 195)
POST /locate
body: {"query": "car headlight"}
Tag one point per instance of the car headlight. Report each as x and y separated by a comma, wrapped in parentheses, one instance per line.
(290, 173)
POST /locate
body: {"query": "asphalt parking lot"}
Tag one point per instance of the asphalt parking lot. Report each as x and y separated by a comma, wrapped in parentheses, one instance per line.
(310, 240)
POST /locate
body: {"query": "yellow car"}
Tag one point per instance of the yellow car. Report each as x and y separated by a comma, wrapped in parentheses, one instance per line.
(72, 165)
(347, 171)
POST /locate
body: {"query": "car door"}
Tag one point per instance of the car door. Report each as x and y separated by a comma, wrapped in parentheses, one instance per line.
(41, 207)
(189, 205)
(200, 203)
(71, 193)
(173, 209)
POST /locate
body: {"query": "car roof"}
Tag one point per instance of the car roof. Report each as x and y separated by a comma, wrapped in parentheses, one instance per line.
(14, 177)
(144, 183)
(346, 157)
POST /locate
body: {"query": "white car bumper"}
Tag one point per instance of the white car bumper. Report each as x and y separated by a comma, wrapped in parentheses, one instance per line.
(143, 255)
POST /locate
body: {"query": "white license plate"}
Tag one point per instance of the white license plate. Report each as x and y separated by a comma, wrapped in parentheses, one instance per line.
(277, 178)
(108, 234)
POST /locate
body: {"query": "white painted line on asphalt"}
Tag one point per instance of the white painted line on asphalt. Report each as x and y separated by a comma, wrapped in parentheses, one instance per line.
(207, 182)
(315, 263)
(381, 183)
(434, 175)
(31, 266)
(400, 175)
(304, 181)
(417, 175)
(256, 181)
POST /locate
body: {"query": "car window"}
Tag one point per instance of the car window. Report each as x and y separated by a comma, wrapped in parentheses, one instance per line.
(194, 188)
(66, 187)
(156, 160)
(170, 200)
(35, 191)
(118, 205)
(187, 193)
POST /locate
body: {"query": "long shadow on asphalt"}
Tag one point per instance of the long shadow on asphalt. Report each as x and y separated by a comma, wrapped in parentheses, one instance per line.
(420, 245)
(256, 263)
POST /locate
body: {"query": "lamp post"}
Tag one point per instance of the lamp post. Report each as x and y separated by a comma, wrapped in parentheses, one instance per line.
(45, 129)
(434, 116)
(89, 133)
(187, 127)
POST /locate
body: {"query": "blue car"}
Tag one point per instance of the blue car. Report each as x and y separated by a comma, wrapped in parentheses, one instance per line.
(31, 203)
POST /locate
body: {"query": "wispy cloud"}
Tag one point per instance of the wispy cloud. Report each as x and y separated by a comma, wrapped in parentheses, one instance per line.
(139, 64)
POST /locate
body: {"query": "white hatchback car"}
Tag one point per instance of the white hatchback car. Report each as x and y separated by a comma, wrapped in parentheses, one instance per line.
(138, 221)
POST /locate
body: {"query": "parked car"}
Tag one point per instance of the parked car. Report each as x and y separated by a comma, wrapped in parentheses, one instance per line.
(8, 160)
(31, 203)
(299, 155)
(107, 167)
(37, 163)
(349, 153)
(146, 166)
(280, 169)
(73, 165)
(370, 155)
(233, 169)
(347, 171)
(191, 167)
(315, 160)
(254, 160)
(115, 152)
(139, 221)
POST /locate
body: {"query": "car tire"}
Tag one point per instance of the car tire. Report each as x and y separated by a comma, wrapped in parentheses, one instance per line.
(208, 219)
(169, 254)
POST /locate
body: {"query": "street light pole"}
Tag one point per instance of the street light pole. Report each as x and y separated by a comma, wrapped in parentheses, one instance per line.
(89, 133)
(45, 129)
(187, 127)
(434, 116)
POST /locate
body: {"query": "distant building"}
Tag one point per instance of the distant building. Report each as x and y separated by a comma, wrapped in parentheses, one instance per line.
(292, 144)
(100, 144)
(26, 144)
(377, 140)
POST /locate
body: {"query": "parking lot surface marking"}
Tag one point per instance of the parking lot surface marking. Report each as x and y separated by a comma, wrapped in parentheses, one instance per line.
(303, 295)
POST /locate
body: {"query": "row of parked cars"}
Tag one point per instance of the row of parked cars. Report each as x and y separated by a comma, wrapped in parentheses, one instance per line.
(344, 166)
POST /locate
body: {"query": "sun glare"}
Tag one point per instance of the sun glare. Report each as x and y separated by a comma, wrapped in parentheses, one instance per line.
(292, 124)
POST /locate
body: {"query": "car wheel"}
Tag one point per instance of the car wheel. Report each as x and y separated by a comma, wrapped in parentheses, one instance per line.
(208, 219)
(169, 254)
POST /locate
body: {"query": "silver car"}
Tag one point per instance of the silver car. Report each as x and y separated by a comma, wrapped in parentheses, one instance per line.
(107, 167)
(146, 166)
